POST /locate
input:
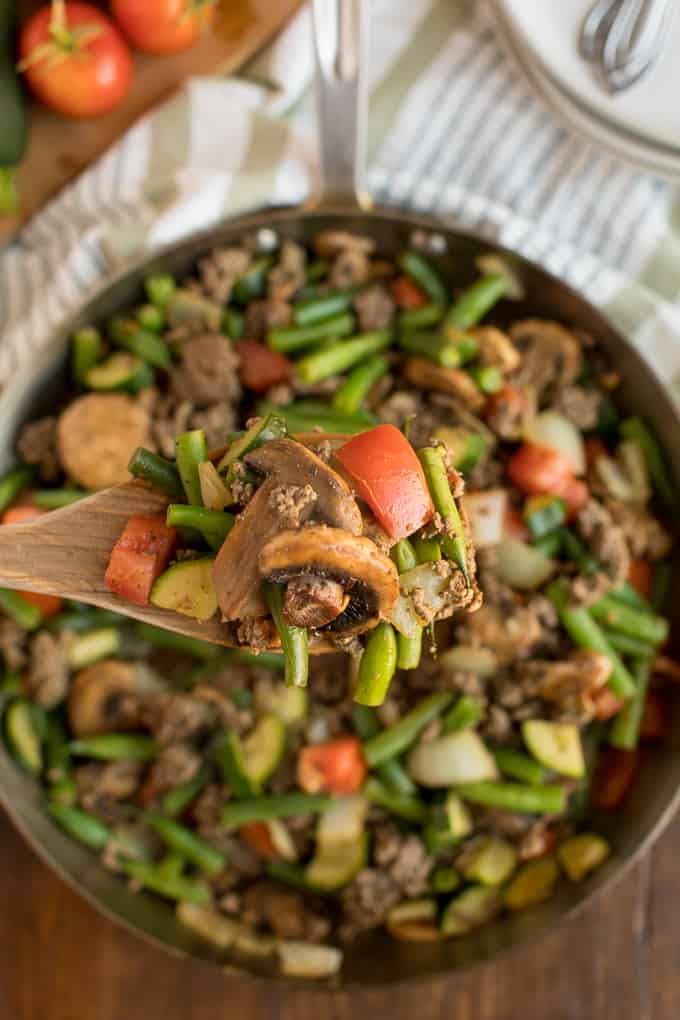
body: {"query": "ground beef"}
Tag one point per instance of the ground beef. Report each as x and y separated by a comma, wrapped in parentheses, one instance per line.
(217, 421)
(579, 405)
(539, 839)
(607, 542)
(288, 275)
(331, 242)
(257, 632)
(374, 307)
(261, 316)
(219, 270)
(398, 407)
(377, 534)
(350, 268)
(496, 724)
(286, 913)
(176, 718)
(169, 418)
(486, 474)
(496, 592)
(208, 371)
(37, 445)
(175, 765)
(47, 677)
(12, 644)
(509, 411)
(366, 902)
(403, 857)
(570, 685)
(645, 535)
(114, 780)
(230, 717)
(510, 635)
(206, 810)
(292, 503)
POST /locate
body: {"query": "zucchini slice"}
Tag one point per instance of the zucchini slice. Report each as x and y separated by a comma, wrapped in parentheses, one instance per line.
(458, 815)
(23, 736)
(533, 883)
(555, 745)
(336, 864)
(472, 908)
(120, 372)
(491, 862)
(263, 748)
(187, 588)
(581, 854)
(268, 427)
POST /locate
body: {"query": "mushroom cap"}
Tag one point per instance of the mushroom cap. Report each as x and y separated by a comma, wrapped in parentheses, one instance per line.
(104, 697)
(455, 381)
(368, 576)
(551, 354)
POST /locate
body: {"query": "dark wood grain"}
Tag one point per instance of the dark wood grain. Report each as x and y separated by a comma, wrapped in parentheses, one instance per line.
(620, 960)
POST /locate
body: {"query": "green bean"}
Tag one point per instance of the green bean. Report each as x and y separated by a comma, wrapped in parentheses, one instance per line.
(635, 428)
(625, 729)
(288, 339)
(409, 650)
(214, 525)
(160, 638)
(265, 660)
(159, 288)
(626, 645)
(437, 838)
(661, 586)
(151, 317)
(627, 594)
(293, 640)
(489, 378)
(300, 418)
(618, 616)
(24, 613)
(533, 800)
(428, 550)
(377, 666)
(86, 350)
(171, 866)
(392, 773)
(148, 346)
(187, 843)
(586, 633)
(359, 383)
(435, 472)
(53, 499)
(575, 550)
(93, 646)
(234, 324)
(317, 270)
(393, 741)
(550, 544)
(57, 754)
(432, 346)
(342, 356)
(419, 318)
(466, 712)
(316, 309)
(399, 804)
(444, 880)
(80, 825)
(424, 275)
(517, 765)
(189, 890)
(177, 800)
(11, 684)
(252, 284)
(12, 484)
(294, 875)
(284, 805)
(479, 298)
(191, 450)
(64, 791)
(115, 747)
(404, 555)
(160, 473)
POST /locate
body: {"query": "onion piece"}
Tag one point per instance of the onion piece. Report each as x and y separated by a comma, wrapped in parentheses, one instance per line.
(492, 263)
(210, 924)
(470, 659)
(432, 584)
(343, 822)
(632, 459)
(522, 566)
(308, 959)
(614, 480)
(486, 513)
(551, 429)
(214, 493)
(451, 759)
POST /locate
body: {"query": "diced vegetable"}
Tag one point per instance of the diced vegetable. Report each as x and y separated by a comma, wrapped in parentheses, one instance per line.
(393, 741)
(555, 745)
(388, 475)
(553, 431)
(635, 429)
(269, 426)
(466, 448)
(294, 640)
(402, 805)
(209, 923)
(21, 607)
(190, 845)
(470, 659)
(414, 921)
(451, 759)
(581, 854)
(522, 566)
(616, 769)
(190, 451)
(453, 542)
(516, 765)
(260, 368)
(337, 766)
(408, 296)
(144, 344)
(93, 646)
(466, 712)
(86, 349)
(472, 908)
(263, 748)
(539, 470)
(187, 588)
(532, 800)
(632, 458)
(491, 861)
(486, 514)
(533, 883)
(23, 736)
(341, 845)
(160, 473)
(433, 585)
(458, 816)
(138, 558)
(119, 372)
(377, 666)
(308, 960)
(214, 493)
(289, 703)
(543, 514)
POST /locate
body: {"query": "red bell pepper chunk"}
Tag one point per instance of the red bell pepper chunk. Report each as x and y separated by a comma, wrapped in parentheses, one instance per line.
(260, 368)
(49, 605)
(258, 837)
(141, 553)
(389, 477)
(539, 471)
(614, 775)
(407, 294)
(656, 717)
(640, 577)
(338, 766)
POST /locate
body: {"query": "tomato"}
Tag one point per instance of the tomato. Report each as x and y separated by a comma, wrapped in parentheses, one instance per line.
(538, 470)
(390, 478)
(258, 837)
(163, 26)
(337, 766)
(606, 704)
(49, 605)
(508, 400)
(513, 524)
(21, 514)
(655, 717)
(141, 553)
(614, 775)
(407, 294)
(261, 367)
(75, 60)
(640, 577)
(575, 495)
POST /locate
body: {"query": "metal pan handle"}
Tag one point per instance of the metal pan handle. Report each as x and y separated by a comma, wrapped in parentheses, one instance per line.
(340, 45)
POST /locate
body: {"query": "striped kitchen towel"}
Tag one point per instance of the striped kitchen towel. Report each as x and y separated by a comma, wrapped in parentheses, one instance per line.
(453, 130)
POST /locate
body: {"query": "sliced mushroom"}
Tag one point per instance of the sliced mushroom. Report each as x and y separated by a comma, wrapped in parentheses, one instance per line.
(496, 348)
(331, 242)
(367, 576)
(107, 696)
(551, 354)
(313, 601)
(454, 381)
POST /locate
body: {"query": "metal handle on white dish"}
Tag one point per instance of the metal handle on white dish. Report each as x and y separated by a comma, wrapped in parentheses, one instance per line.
(340, 44)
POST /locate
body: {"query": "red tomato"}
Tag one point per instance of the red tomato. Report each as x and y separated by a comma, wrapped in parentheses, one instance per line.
(21, 514)
(509, 398)
(163, 26)
(614, 775)
(513, 524)
(75, 59)
(606, 704)
(539, 470)
(640, 576)
(260, 367)
(389, 477)
(257, 836)
(575, 495)
(407, 294)
(49, 605)
(337, 766)
(141, 553)
(655, 717)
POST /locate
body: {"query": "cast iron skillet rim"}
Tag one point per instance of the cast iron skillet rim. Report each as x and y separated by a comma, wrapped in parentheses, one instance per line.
(203, 241)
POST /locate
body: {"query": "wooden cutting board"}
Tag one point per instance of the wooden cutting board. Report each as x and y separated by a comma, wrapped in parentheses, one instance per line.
(60, 148)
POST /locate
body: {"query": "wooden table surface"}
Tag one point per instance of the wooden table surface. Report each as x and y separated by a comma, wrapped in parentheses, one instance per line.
(59, 960)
